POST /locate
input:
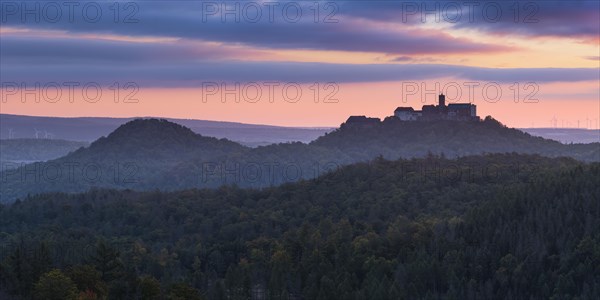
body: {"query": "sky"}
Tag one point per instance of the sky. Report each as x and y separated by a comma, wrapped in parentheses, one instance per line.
(301, 63)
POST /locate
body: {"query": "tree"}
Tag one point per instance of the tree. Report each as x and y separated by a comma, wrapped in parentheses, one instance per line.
(55, 285)
(20, 275)
(88, 280)
(149, 287)
(107, 261)
(182, 291)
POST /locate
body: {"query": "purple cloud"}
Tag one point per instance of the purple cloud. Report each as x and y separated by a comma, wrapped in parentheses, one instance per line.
(189, 20)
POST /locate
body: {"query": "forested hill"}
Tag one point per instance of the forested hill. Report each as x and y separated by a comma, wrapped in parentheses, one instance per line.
(481, 227)
(394, 138)
(156, 141)
(149, 154)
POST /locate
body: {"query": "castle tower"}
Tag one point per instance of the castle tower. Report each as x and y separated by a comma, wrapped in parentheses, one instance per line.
(442, 100)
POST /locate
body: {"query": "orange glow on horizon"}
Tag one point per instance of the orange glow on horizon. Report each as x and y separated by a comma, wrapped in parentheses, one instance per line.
(576, 104)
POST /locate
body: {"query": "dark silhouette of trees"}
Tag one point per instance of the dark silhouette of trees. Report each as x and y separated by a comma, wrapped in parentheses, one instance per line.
(479, 227)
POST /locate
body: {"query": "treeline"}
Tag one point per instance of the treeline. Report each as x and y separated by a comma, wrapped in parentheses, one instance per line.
(410, 229)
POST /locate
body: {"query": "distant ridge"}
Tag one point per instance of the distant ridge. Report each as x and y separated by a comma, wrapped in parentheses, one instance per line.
(89, 129)
(16, 151)
(566, 135)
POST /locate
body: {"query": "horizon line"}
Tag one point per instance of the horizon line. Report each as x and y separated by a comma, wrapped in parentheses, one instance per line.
(241, 123)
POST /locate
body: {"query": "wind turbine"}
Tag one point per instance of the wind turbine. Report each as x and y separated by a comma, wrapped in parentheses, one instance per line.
(587, 123)
(10, 133)
(37, 132)
(553, 121)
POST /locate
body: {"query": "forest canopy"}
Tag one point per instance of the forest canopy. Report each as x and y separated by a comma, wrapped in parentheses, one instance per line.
(403, 229)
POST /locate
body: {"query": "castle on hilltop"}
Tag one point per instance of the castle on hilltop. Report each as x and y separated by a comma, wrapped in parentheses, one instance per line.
(452, 111)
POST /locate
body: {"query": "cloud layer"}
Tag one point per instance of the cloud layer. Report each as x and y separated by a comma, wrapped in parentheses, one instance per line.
(160, 43)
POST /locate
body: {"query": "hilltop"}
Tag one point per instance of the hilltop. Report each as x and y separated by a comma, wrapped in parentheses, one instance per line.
(155, 139)
(394, 138)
